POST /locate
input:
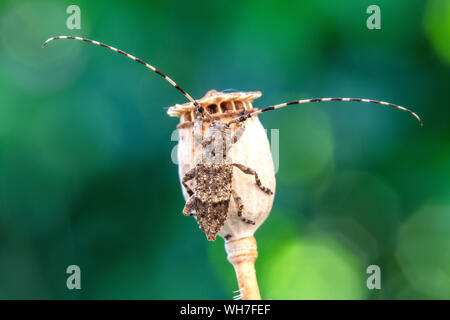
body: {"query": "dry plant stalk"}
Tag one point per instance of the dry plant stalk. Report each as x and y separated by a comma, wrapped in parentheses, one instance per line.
(242, 254)
(252, 150)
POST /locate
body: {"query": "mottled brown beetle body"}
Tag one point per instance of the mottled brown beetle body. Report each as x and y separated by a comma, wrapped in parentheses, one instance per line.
(212, 175)
(212, 192)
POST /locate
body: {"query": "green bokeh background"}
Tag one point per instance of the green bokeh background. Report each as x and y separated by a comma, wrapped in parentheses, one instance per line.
(86, 175)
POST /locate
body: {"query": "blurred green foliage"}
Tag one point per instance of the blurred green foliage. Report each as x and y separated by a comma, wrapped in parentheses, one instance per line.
(86, 175)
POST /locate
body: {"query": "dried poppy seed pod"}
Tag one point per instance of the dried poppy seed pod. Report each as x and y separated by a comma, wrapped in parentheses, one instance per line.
(252, 150)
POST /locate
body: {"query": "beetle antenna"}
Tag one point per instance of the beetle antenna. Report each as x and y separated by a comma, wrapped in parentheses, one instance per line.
(187, 95)
(251, 114)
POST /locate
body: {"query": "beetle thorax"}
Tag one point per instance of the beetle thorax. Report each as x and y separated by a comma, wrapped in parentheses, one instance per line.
(217, 143)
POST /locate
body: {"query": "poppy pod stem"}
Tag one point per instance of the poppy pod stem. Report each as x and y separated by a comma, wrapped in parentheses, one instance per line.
(242, 254)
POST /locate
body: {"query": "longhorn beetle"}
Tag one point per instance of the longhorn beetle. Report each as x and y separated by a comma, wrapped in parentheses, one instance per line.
(213, 170)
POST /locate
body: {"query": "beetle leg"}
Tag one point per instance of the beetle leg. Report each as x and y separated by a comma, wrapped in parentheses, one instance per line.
(248, 170)
(187, 177)
(239, 132)
(189, 207)
(240, 207)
